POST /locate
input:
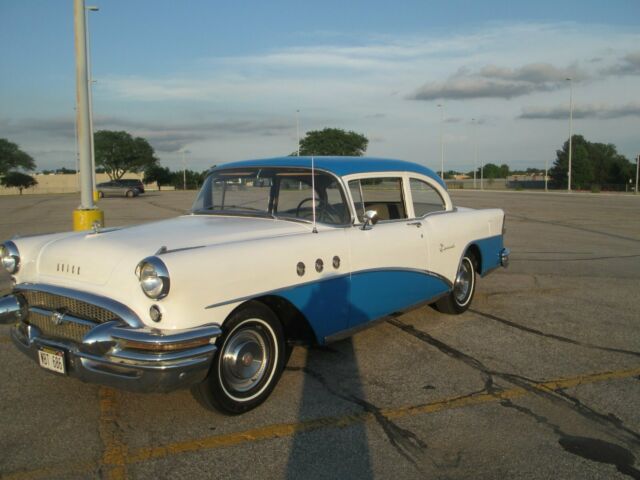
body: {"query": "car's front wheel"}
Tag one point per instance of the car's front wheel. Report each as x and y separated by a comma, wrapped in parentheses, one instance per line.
(248, 363)
(459, 299)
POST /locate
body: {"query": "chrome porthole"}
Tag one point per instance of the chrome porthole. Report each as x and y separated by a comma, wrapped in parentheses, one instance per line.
(300, 269)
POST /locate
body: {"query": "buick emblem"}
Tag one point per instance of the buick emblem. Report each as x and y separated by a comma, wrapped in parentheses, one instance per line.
(57, 318)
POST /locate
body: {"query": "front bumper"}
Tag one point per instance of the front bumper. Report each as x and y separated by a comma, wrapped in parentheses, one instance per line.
(117, 355)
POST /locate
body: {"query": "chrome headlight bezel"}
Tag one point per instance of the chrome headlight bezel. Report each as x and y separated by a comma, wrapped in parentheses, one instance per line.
(10, 257)
(154, 278)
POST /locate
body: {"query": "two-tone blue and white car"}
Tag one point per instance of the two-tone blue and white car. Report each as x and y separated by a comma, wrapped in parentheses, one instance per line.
(274, 253)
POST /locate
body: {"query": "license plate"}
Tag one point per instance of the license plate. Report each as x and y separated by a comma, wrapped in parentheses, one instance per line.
(52, 359)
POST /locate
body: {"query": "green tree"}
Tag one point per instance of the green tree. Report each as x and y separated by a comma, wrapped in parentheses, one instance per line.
(12, 157)
(119, 153)
(18, 180)
(592, 165)
(491, 170)
(158, 174)
(194, 179)
(333, 141)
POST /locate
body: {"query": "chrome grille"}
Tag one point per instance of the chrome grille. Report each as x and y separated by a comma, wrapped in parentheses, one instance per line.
(64, 331)
(77, 308)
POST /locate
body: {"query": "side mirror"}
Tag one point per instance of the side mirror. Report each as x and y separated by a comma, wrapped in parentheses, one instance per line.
(370, 219)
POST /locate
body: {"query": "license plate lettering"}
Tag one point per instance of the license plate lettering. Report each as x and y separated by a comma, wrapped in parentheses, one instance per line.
(52, 360)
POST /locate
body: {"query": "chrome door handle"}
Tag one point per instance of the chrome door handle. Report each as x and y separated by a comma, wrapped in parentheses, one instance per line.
(416, 224)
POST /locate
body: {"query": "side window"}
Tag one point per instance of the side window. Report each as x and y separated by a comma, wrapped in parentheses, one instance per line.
(425, 198)
(384, 195)
(296, 198)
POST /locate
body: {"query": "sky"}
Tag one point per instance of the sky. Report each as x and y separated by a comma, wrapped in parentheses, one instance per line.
(222, 81)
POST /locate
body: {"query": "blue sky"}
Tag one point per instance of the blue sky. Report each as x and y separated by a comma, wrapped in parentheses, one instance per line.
(223, 79)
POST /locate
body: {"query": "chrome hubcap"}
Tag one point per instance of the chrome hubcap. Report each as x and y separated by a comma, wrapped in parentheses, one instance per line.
(463, 283)
(244, 360)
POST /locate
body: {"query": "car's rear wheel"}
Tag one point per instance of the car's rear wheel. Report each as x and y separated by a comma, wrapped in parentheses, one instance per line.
(248, 363)
(100, 194)
(460, 297)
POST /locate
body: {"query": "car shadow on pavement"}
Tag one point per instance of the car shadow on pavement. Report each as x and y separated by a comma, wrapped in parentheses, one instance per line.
(341, 451)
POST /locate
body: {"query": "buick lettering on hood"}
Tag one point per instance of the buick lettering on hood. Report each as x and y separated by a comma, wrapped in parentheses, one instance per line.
(274, 253)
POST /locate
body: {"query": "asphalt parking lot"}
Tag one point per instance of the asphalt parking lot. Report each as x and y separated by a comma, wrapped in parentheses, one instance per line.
(540, 379)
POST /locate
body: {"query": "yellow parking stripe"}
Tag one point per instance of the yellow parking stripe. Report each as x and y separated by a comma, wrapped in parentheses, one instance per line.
(61, 471)
(115, 450)
(290, 429)
(116, 455)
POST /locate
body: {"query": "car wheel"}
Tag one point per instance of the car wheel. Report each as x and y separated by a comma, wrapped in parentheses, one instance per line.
(459, 299)
(100, 194)
(130, 194)
(248, 363)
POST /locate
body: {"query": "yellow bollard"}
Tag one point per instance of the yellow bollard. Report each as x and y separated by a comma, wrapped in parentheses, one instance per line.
(84, 219)
(96, 196)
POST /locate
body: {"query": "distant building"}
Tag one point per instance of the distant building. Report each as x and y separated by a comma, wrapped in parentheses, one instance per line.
(528, 180)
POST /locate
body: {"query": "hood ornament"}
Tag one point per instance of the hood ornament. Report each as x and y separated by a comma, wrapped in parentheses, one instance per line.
(95, 226)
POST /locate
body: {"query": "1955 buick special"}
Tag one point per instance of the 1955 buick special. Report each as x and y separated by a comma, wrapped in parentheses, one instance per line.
(274, 253)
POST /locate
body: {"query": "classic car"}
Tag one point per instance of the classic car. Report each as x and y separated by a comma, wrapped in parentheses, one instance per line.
(274, 253)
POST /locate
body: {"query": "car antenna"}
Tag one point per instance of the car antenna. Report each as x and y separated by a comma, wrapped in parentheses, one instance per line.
(313, 193)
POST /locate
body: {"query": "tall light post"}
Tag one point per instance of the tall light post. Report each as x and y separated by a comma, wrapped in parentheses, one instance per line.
(441, 107)
(184, 169)
(86, 214)
(475, 148)
(637, 171)
(91, 8)
(570, 80)
(546, 174)
(298, 129)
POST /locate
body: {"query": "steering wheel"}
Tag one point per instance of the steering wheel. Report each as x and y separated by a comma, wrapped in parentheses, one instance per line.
(324, 211)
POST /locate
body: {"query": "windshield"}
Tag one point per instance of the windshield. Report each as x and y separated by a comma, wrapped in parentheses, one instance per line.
(275, 193)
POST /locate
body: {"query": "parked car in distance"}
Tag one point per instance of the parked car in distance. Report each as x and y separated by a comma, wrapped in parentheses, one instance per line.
(132, 182)
(117, 188)
(274, 253)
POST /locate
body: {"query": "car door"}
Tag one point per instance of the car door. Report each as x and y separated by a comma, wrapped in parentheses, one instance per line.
(107, 189)
(388, 260)
(441, 230)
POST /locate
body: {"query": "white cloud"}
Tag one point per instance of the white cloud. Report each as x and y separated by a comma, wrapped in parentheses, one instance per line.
(230, 107)
(582, 111)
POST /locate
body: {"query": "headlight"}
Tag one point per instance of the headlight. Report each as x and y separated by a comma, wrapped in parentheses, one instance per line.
(9, 257)
(154, 277)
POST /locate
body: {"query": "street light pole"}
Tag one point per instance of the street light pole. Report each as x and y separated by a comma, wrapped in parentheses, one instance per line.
(637, 168)
(94, 192)
(441, 107)
(475, 146)
(546, 174)
(184, 171)
(86, 215)
(570, 80)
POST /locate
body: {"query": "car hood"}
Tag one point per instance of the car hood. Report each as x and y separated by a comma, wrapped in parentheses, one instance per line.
(93, 257)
